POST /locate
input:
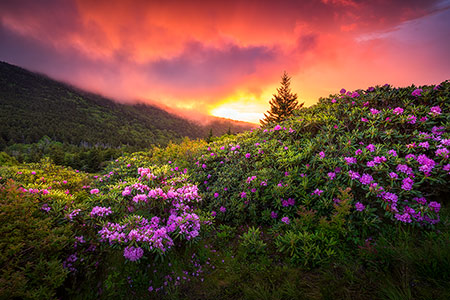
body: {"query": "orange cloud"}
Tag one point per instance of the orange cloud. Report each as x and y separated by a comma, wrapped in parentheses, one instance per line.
(226, 58)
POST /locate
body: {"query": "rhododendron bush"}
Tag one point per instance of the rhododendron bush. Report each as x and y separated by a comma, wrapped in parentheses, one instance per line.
(389, 145)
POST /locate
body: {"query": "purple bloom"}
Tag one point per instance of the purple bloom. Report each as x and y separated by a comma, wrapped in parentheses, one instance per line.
(358, 152)
(133, 254)
(426, 163)
(371, 89)
(392, 152)
(374, 111)
(404, 169)
(222, 209)
(45, 207)
(398, 111)
(407, 184)
(393, 175)
(379, 159)
(366, 179)
(322, 154)
(359, 206)
(420, 200)
(370, 147)
(216, 195)
(354, 95)
(248, 155)
(442, 152)
(342, 91)
(417, 92)
(371, 164)
(285, 220)
(243, 195)
(364, 120)
(331, 175)
(425, 145)
(411, 119)
(94, 191)
(405, 218)
(435, 110)
(350, 160)
(353, 175)
(317, 192)
(433, 205)
(273, 215)
(213, 213)
(99, 211)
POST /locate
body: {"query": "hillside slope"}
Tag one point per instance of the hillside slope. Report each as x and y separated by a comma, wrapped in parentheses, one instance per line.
(33, 106)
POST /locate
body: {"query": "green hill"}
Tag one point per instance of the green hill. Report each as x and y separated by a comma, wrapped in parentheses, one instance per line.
(33, 106)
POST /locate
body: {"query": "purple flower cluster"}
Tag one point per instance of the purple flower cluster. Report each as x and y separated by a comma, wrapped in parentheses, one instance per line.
(359, 206)
(288, 202)
(99, 211)
(133, 253)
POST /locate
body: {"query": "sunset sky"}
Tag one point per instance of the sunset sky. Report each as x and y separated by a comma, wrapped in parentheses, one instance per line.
(225, 58)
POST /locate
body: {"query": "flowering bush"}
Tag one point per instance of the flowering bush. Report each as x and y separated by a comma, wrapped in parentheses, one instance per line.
(390, 145)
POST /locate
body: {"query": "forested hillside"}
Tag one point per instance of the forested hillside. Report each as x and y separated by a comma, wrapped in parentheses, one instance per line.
(33, 106)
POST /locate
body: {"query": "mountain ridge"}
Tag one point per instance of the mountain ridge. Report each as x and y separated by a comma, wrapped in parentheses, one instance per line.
(33, 105)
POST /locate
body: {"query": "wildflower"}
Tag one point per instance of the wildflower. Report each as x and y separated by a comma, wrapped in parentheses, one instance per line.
(358, 152)
(420, 200)
(405, 218)
(435, 110)
(333, 100)
(364, 120)
(273, 215)
(374, 111)
(442, 152)
(45, 207)
(398, 110)
(353, 175)
(407, 184)
(392, 152)
(285, 220)
(379, 159)
(342, 91)
(216, 195)
(354, 95)
(371, 164)
(434, 206)
(248, 155)
(393, 175)
(371, 89)
(222, 209)
(417, 92)
(99, 211)
(425, 145)
(133, 253)
(359, 206)
(243, 195)
(213, 213)
(423, 119)
(278, 127)
(94, 191)
(322, 154)
(331, 175)
(411, 119)
(371, 147)
(366, 179)
(317, 192)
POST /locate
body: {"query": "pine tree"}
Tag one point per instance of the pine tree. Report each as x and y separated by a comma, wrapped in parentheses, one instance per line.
(282, 104)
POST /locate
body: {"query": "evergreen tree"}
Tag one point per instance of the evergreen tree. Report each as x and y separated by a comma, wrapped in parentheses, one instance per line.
(282, 104)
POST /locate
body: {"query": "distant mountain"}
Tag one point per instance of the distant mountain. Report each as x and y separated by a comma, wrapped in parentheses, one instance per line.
(33, 106)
